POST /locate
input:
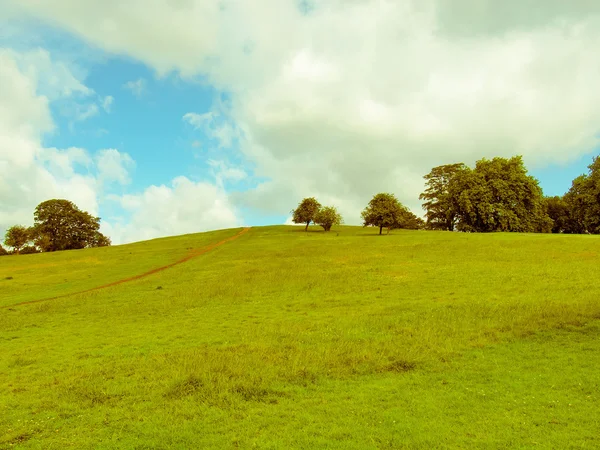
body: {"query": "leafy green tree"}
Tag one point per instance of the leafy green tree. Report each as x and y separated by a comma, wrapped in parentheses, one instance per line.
(17, 237)
(61, 225)
(384, 210)
(100, 240)
(306, 211)
(583, 201)
(3, 251)
(410, 221)
(558, 211)
(327, 217)
(29, 250)
(498, 195)
(441, 210)
(579, 202)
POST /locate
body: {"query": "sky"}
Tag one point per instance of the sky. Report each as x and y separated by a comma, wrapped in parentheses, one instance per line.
(166, 117)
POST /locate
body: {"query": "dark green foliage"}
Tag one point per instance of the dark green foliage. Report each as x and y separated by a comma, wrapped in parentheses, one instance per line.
(410, 221)
(583, 202)
(29, 249)
(327, 217)
(61, 225)
(306, 211)
(558, 211)
(99, 240)
(441, 210)
(3, 251)
(385, 211)
(17, 237)
(497, 195)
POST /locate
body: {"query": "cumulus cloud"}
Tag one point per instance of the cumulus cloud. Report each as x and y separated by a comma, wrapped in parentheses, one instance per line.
(53, 79)
(181, 207)
(113, 165)
(31, 173)
(28, 172)
(357, 97)
(138, 87)
(215, 126)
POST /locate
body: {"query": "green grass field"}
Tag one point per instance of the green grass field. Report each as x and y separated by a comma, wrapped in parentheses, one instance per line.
(283, 339)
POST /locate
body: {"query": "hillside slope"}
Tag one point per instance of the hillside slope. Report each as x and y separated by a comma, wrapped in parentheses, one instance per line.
(286, 339)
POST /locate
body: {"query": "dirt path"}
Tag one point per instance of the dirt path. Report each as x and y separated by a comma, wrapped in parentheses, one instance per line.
(190, 255)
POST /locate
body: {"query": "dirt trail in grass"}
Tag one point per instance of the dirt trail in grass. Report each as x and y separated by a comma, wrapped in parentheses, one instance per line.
(190, 255)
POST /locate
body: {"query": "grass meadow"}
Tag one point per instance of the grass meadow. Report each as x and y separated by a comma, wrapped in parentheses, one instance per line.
(283, 339)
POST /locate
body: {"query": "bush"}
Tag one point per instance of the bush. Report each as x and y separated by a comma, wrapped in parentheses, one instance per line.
(28, 250)
(327, 217)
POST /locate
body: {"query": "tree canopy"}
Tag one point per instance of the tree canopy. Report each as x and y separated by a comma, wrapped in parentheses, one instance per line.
(496, 195)
(306, 211)
(17, 237)
(583, 202)
(385, 211)
(3, 251)
(441, 210)
(328, 216)
(61, 225)
(558, 211)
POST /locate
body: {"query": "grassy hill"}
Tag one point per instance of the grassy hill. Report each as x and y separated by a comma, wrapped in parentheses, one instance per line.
(285, 339)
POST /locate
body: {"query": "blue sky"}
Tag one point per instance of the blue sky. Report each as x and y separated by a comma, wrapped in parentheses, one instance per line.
(190, 126)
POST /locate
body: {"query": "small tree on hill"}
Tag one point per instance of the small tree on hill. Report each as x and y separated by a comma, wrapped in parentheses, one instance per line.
(61, 225)
(327, 217)
(17, 237)
(306, 211)
(384, 210)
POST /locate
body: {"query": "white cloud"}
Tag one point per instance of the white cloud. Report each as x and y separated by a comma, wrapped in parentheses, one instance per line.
(107, 103)
(182, 207)
(84, 112)
(224, 172)
(215, 126)
(53, 79)
(138, 87)
(30, 173)
(363, 96)
(113, 165)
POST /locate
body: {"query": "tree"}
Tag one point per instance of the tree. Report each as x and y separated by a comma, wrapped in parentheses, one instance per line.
(583, 201)
(3, 251)
(441, 210)
(327, 217)
(410, 221)
(29, 250)
(384, 210)
(61, 225)
(498, 195)
(17, 237)
(558, 211)
(306, 211)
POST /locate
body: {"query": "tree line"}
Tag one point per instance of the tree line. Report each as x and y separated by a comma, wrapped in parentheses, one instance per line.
(496, 195)
(383, 211)
(58, 225)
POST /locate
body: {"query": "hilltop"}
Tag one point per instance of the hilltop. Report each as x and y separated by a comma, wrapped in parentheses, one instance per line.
(280, 338)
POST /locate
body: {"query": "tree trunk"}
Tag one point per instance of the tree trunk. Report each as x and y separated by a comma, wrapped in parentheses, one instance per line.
(380, 229)
(307, 224)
